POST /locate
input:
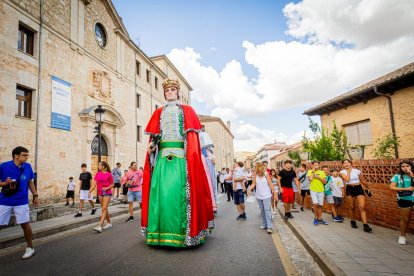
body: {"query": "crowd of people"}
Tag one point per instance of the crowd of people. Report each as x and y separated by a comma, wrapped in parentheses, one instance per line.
(321, 184)
(270, 186)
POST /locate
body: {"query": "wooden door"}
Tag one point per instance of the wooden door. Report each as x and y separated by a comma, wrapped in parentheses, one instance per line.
(94, 163)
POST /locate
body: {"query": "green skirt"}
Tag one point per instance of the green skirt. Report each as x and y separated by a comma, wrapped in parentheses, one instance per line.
(167, 209)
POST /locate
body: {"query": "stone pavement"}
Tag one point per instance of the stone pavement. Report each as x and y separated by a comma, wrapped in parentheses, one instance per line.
(14, 235)
(342, 250)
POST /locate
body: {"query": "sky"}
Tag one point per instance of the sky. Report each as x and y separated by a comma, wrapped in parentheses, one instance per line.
(261, 63)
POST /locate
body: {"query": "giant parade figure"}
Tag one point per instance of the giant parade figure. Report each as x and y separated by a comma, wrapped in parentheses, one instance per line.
(176, 200)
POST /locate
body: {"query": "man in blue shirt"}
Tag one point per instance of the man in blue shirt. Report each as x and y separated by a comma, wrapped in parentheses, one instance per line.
(16, 178)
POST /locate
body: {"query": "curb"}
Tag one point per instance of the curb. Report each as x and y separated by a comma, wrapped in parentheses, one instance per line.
(11, 241)
(324, 262)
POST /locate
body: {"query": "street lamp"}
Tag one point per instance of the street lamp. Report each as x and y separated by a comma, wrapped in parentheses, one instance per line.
(99, 118)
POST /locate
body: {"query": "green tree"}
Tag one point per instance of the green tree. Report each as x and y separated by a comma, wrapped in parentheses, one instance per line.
(385, 148)
(294, 155)
(325, 146)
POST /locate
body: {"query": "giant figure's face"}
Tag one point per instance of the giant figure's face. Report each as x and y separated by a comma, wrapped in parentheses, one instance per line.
(171, 93)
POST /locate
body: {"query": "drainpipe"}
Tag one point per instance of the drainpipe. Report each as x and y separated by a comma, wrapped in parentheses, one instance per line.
(391, 116)
(39, 80)
(136, 110)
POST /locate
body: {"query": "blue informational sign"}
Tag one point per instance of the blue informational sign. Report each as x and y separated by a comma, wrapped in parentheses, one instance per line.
(61, 103)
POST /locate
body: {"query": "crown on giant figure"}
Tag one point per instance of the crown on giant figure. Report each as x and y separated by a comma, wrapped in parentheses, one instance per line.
(169, 83)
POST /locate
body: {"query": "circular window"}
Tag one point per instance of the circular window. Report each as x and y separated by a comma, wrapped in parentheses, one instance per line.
(100, 34)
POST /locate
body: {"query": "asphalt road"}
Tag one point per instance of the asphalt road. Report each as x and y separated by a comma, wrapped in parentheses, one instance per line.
(234, 248)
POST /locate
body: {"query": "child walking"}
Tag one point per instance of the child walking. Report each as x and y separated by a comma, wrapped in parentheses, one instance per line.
(70, 192)
(338, 193)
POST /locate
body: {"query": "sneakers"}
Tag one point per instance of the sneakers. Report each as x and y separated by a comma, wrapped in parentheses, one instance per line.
(353, 224)
(315, 222)
(263, 227)
(338, 219)
(294, 207)
(289, 215)
(323, 222)
(107, 226)
(79, 214)
(240, 217)
(67, 203)
(274, 213)
(244, 216)
(98, 229)
(301, 208)
(93, 211)
(402, 240)
(130, 219)
(73, 204)
(286, 217)
(29, 253)
(269, 231)
(367, 228)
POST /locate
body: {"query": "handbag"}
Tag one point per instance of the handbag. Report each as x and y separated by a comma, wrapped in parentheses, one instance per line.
(405, 193)
(8, 190)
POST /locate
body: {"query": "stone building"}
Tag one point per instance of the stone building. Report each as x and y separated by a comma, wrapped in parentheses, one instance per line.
(59, 60)
(222, 138)
(374, 110)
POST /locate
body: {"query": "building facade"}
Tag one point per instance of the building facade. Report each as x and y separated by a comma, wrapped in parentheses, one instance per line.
(222, 138)
(59, 61)
(381, 107)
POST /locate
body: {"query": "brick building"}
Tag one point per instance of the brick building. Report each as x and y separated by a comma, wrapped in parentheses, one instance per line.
(59, 60)
(374, 110)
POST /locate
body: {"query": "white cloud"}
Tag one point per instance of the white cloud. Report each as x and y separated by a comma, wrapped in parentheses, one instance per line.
(338, 45)
(212, 49)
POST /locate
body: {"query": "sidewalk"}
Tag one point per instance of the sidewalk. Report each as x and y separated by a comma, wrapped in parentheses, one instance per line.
(14, 235)
(342, 250)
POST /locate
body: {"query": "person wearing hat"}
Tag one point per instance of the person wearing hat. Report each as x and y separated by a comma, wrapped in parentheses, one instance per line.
(176, 200)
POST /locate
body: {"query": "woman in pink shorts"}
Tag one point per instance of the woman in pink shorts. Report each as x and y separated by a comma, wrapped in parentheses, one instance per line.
(104, 184)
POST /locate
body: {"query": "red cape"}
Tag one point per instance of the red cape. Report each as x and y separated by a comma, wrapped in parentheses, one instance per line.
(201, 216)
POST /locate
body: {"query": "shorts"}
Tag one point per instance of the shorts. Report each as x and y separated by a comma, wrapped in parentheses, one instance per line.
(117, 185)
(124, 190)
(330, 199)
(304, 192)
(338, 200)
(132, 196)
(21, 212)
(238, 197)
(70, 194)
(354, 190)
(317, 197)
(83, 195)
(288, 196)
(403, 203)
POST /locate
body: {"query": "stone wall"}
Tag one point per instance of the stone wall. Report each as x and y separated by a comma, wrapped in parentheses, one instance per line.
(382, 207)
(376, 110)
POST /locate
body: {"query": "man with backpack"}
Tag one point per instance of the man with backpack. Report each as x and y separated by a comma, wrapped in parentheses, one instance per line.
(304, 184)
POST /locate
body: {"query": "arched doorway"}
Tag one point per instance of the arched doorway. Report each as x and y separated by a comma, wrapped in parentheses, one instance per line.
(94, 155)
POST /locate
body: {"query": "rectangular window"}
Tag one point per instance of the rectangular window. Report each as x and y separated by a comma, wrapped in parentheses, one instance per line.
(138, 133)
(23, 102)
(138, 101)
(156, 82)
(148, 76)
(25, 40)
(359, 133)
(138, 68)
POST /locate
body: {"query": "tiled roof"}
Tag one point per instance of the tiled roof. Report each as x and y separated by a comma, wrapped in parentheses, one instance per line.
(391, 82)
